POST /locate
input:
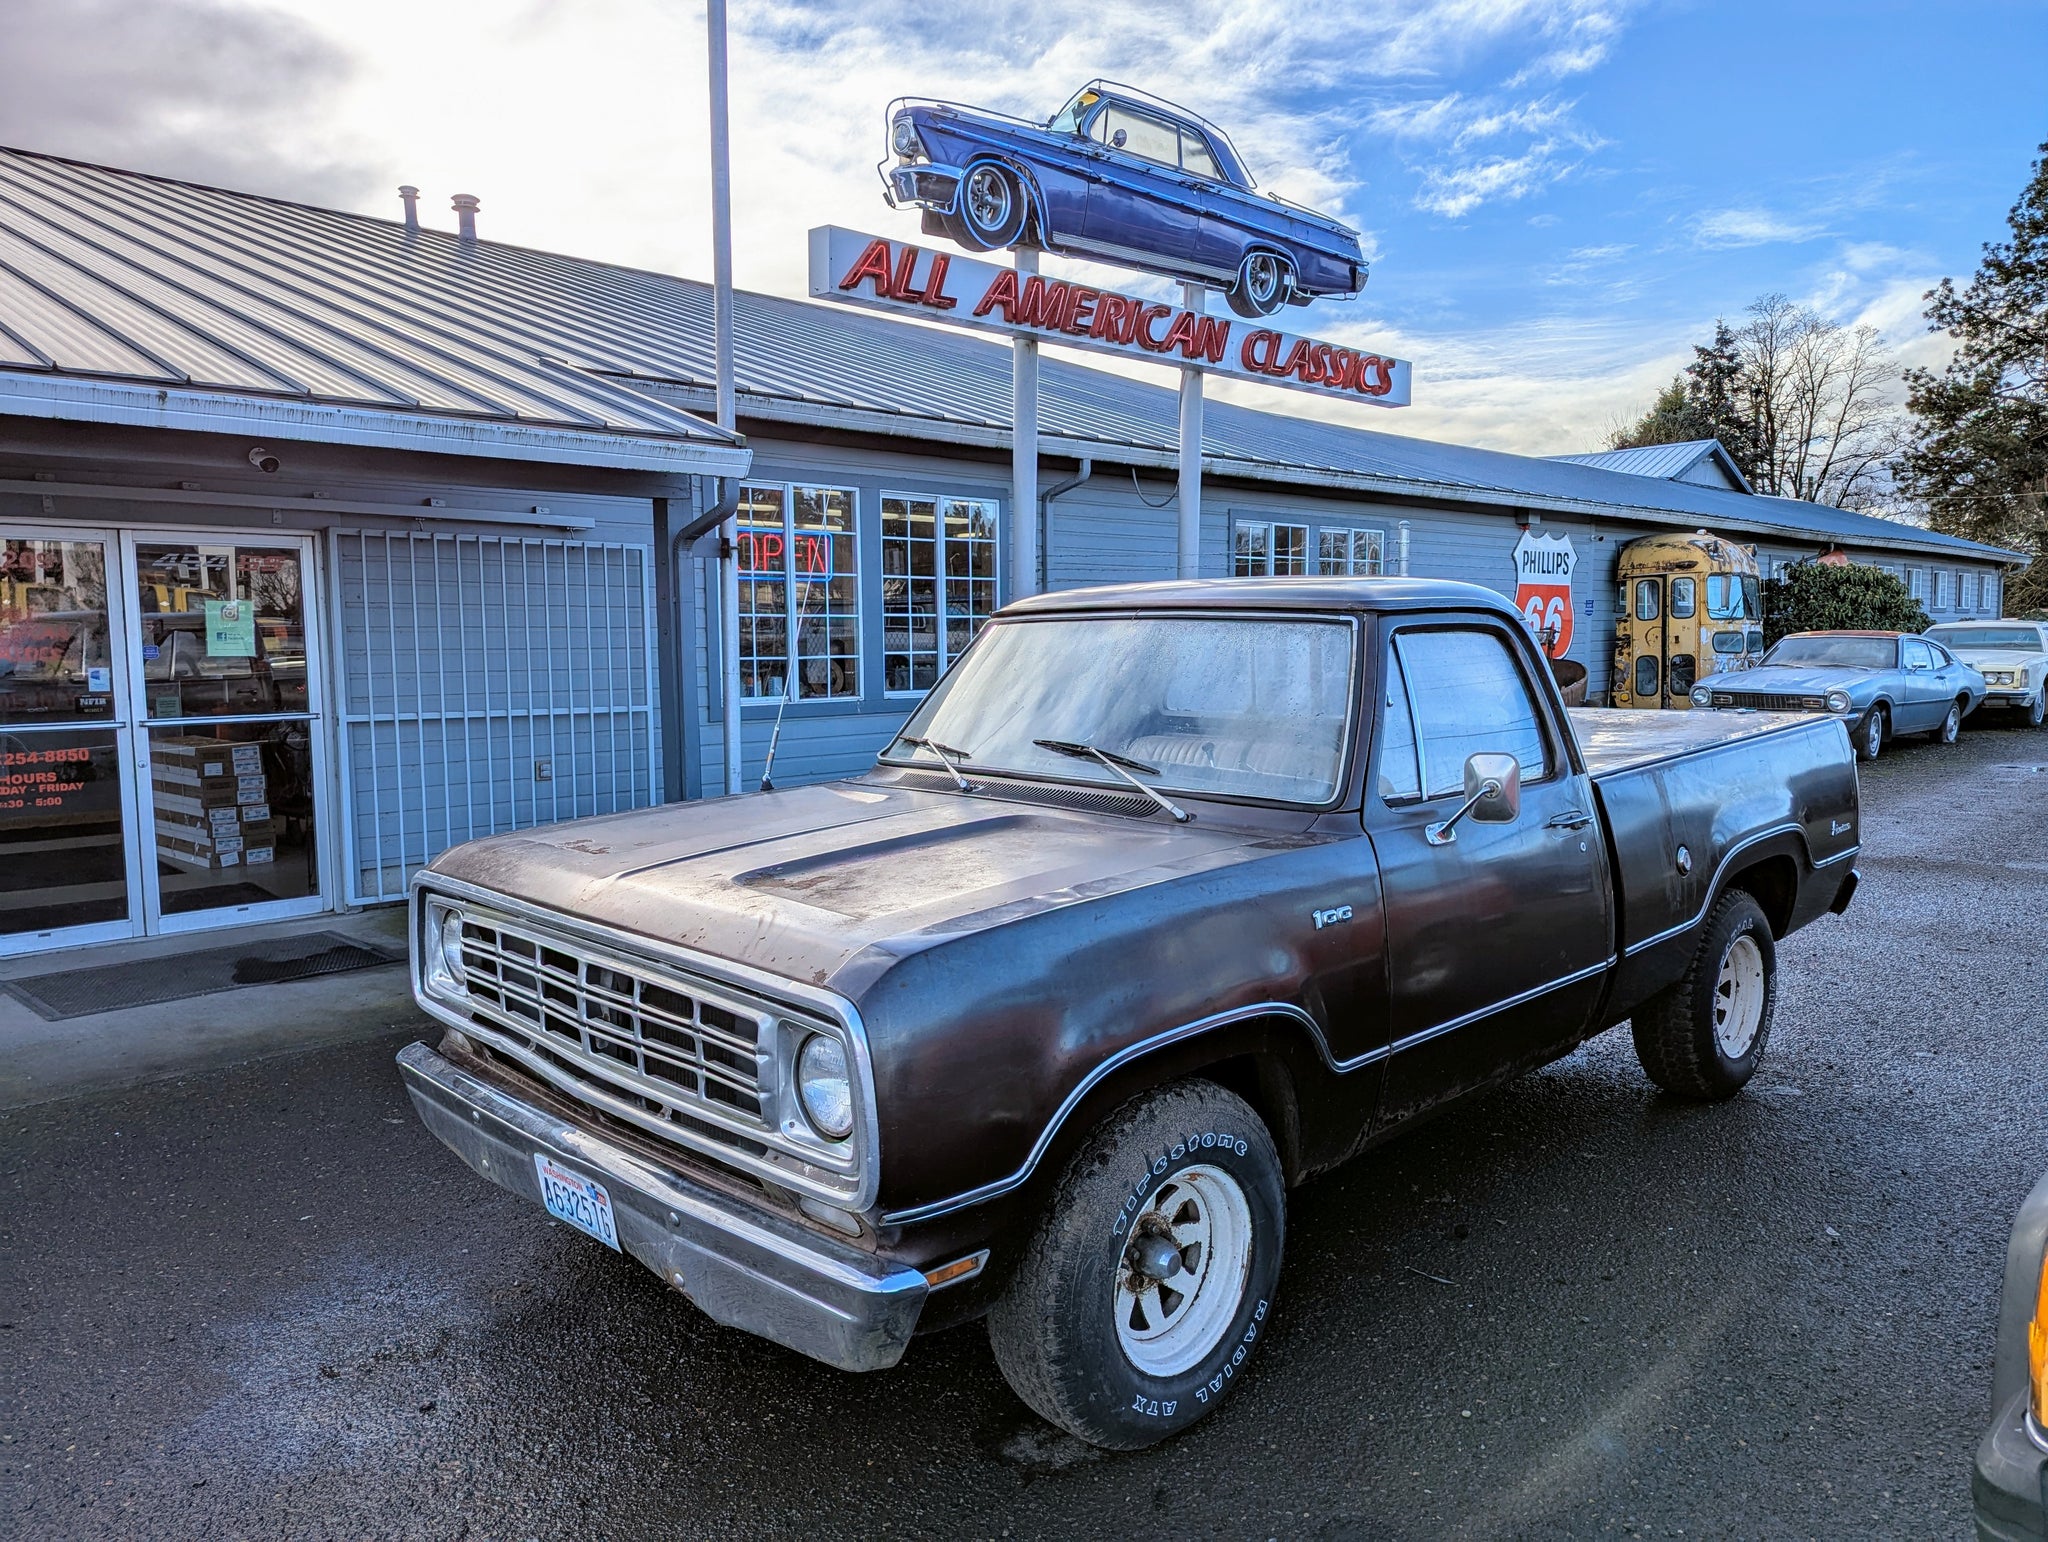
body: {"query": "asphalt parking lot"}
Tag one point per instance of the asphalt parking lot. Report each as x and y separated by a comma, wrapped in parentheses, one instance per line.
(264, 1303)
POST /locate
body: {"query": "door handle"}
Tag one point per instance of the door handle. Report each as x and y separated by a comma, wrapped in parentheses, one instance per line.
(1570, 819)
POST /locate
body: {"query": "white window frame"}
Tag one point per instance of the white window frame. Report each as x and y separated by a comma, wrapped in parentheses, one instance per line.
(792, 619)
(1266, 562)
(1944, 589)
(975, 622)
(1373, 566)
(1917, 585)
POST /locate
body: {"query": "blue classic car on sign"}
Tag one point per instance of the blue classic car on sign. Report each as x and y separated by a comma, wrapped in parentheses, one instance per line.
(1880, 684)
(1117, 176)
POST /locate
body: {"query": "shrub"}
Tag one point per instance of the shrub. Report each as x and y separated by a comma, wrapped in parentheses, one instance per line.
(1837, 597)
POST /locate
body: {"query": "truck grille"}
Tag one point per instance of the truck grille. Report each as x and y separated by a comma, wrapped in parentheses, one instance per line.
(597, 1024)
(1770, 701)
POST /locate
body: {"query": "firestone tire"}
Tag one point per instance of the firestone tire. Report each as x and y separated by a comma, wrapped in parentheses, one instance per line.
(1088, 1337)
(1704, 1037)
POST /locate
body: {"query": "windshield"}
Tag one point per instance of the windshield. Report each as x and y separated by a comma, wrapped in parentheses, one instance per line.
(1836, 652)
(1247, 708)
(1987, 639)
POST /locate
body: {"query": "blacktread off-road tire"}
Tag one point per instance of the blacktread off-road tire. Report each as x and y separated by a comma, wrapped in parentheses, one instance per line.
(1951, 728)
(1678, 1033)
(1055, 1329)
(1870, 734)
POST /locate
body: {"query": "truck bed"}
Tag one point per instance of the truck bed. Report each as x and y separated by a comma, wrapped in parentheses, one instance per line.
(1613, 739)
(1686, 794)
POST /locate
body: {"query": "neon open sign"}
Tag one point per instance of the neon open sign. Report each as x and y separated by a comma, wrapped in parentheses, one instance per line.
(763, 551)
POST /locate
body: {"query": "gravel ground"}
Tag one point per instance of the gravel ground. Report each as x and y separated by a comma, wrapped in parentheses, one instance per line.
(266, 1304)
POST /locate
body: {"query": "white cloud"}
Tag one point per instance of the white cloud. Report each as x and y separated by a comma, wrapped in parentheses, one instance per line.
(1749, 227)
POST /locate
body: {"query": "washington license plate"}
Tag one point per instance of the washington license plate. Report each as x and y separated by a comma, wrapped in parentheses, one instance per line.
(580, 1201)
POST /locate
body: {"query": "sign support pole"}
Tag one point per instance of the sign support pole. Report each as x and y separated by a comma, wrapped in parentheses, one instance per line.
(1024, 452)
(721, 328)
(1195, 298)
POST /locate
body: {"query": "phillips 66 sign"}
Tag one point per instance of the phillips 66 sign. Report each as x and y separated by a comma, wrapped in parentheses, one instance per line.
(1543, 588)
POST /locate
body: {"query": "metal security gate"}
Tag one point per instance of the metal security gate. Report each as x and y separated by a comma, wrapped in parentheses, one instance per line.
(485, 683)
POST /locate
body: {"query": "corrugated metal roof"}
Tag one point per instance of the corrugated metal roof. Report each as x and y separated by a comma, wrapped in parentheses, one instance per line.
(126, 279)
(114, 275)
(1666, 461)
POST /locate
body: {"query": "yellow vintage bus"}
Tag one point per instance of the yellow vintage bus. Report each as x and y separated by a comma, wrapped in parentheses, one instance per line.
(1689, 605)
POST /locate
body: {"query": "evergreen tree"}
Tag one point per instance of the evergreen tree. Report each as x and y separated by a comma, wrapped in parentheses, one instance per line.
(1838, 597)
(1979, 455)
(1713, 392)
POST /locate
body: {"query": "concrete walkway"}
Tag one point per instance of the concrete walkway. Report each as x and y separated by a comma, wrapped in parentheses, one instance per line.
(41, 1060)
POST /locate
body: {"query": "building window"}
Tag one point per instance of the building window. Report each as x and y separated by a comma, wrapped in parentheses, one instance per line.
(1262, 550)
(1351, 553)
(1944, 589)
(799, 579)
(938, 583)
(1968, 586)
(1991, 600)
(1916, 584)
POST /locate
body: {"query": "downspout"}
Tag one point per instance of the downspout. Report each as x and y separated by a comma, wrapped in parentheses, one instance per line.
(1402, 548)
(673, 746)
(1045, 498)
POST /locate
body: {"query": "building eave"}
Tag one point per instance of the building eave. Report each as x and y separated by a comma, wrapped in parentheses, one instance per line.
(81, 400)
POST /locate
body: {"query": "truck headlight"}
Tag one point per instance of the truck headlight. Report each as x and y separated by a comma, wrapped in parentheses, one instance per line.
(824, 1086)
(903, 138)
(1702, 696)
(442, 944)
(1838, 701)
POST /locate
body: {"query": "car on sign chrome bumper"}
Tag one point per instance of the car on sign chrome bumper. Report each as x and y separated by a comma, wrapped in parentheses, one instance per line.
(2010, 1480)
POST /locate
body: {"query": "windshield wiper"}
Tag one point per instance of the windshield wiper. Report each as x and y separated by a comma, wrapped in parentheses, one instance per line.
(948, 757)
(1116, 763)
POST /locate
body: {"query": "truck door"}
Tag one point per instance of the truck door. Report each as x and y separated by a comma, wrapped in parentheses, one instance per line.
(1499, 939)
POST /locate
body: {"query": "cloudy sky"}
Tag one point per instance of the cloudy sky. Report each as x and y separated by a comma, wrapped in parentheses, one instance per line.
(1559, 195)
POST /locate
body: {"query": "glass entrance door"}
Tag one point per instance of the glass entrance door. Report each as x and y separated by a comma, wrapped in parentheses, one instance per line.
(69, 871)
(225, 687)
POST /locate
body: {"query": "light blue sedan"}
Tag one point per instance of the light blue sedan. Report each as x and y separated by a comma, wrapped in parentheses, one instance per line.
(1881, 684)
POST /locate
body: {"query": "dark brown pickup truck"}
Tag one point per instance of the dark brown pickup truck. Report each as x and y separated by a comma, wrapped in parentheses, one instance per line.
(1167, 898)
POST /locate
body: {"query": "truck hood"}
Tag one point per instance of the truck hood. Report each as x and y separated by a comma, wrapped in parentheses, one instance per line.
(805, 882)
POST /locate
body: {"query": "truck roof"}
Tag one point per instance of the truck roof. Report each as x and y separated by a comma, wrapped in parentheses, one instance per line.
(1304, 594)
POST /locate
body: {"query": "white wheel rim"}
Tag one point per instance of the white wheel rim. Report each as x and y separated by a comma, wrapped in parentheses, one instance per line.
(1739, 997)
(1262, 278)
(1873, 735)
(1952, 725)
(988, 199)
(1166, 1327)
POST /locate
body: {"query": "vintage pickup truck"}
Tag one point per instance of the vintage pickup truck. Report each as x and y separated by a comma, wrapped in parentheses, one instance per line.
(1167, 898)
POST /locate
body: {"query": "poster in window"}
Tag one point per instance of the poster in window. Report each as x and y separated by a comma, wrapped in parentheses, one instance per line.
(1543, 588)
(230, 629)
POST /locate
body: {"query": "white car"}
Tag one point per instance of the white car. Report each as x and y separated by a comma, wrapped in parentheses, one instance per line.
(2011, 655)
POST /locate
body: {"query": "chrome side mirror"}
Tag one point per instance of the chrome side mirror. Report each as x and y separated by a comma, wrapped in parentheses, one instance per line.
(1493, 796)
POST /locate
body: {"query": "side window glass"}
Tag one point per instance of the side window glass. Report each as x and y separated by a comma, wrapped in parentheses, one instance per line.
(1468, 696)
(1646, 599)
(1917, 656)
(1195, 156)
(1139, 134)
(1399, 775)
(1684, 597)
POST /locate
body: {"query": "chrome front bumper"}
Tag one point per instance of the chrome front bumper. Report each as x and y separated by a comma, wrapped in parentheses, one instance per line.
(748, 1269)
(933, 186)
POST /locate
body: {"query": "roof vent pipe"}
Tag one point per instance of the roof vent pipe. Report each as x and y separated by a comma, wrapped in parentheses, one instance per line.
(465, 206)
(410, 197)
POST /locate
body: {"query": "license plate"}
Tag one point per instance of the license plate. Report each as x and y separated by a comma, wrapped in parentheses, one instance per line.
(580, 1201)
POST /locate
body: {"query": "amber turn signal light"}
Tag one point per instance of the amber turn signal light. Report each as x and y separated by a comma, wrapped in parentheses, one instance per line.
(959, 1269)
(2037, 1350)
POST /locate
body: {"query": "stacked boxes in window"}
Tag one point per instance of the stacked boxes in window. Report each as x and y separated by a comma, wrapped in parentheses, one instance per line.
(212, 803)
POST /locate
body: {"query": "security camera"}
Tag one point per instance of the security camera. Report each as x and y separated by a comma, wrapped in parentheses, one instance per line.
(263, 460)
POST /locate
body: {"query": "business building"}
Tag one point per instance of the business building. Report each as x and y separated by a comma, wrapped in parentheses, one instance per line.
(327, 542)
